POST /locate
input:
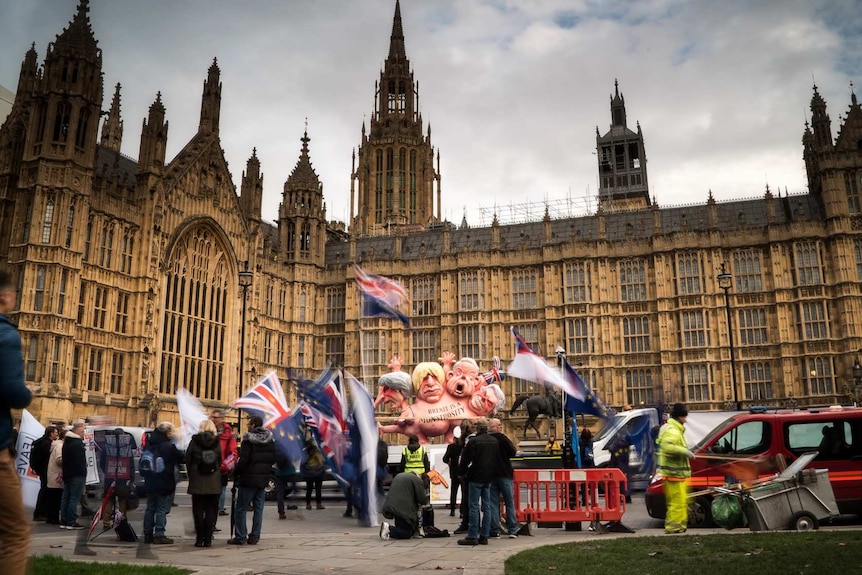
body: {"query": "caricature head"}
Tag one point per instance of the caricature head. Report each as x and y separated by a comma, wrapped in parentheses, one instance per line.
(395, 388)
(487, 400)
(427, 378)
(464, 378)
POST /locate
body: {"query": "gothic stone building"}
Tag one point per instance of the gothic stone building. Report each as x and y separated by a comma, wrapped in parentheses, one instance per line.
(129, 269)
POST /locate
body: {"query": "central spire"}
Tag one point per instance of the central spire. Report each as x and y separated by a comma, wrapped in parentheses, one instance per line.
(397, 51)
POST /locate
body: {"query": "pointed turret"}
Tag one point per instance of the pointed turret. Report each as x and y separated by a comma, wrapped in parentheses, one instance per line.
(29, 75)
(820, 122)
(397, 50)
(251, 191)
(621, 157)
(112, 129)
(211, 101)
(302, 215)
(154, 139)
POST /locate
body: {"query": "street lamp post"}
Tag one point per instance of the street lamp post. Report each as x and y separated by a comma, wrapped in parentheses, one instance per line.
(725, 281)
(245, 278)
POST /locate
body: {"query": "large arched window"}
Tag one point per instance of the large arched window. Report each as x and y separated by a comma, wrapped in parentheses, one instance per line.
(196, 295)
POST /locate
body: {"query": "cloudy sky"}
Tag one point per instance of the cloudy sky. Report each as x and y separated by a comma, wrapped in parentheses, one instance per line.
(513, 89)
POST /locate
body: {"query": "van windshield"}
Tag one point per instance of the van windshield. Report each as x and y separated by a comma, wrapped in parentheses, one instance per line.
(611, 426)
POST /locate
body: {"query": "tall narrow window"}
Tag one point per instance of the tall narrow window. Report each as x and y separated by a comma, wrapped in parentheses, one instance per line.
(747, 271)
(424, 345)
(524, 290)
(82, 304)
(578, 336)
(812, 320)
(302, 305)
(632, 280)
(54, 364)
(807, 264)
(39, 293)
(200, 294)
(818, 371)
(61, 292)
(75, 381)
(100, 307)
(128, 250)
(94, 373)
(752, 326)
(697, 383)
(81, 132)
(107, 248)
(636, 335)
(576, 282)
(268, 292)
(402, 181)
(335, 310)
(692, 330)
(423, 299)
(48, 222)
(688, 273)
(757, 379)
(300, 351)
(70, 226)
(279, 351)
(471, 291)
(473, 341)
(122, 318)
(61, 122)
(117, 361)
(639, 389)
(88, 240)
(267, 346)
(28, 217)
(32, 358)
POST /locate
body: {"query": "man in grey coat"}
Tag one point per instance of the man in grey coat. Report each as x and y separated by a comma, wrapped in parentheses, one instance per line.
(407, 494)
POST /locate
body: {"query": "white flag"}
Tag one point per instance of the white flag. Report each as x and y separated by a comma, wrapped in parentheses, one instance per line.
(191, 415)
(30, 431)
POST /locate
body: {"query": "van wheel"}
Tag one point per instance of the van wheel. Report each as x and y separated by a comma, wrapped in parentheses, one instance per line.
(804, 521)
(700, 513)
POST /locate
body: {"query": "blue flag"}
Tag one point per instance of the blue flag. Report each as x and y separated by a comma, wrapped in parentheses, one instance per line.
(590, 404)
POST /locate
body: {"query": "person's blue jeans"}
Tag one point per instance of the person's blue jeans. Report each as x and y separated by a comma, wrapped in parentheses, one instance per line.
(503, 486)
(244, 496)
(479, 491)
(156, 513)
(281, 483)
(221, 498)
(73, 489)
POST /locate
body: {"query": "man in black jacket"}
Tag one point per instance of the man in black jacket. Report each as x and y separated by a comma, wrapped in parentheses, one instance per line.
(40, 451)
(502, 485)
(160, 483)
(479, 465)
(251, 475)
(74, 475)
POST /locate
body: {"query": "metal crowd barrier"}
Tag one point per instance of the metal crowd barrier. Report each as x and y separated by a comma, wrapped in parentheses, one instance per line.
(569, 495)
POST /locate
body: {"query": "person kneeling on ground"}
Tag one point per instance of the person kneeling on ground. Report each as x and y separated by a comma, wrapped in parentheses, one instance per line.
(407, 494)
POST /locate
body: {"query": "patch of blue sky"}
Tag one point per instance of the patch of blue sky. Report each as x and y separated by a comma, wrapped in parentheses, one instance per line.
(682, 55)
(567, 20)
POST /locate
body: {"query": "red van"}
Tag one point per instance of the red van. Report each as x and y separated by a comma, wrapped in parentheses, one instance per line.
(757, 437)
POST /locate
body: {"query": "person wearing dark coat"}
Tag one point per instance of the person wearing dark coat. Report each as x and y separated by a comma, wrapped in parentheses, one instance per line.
(251, 475)
(407, 494)
(479, 464)
(40, 453)
(204, 485)
(74, 475)
(160, 486)
(450, 458)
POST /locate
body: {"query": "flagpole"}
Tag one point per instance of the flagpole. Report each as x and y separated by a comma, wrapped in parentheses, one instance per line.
(569, 436)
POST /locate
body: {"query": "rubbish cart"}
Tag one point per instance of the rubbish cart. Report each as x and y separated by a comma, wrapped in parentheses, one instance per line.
(796, 498)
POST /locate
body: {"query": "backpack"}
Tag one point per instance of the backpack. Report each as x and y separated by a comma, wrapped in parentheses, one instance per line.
(151, 463)
(208, 463)
(38, 463)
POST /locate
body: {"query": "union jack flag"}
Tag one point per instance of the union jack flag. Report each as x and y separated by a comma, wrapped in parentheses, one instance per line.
(267, 398)
(330, 433)
(324, 394)
(496, 374)
(382, 295)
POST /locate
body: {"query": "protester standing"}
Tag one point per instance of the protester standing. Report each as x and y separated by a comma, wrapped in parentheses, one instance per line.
(407, 494)
(14, 394)
(203, 465)
(55, 479)
(450, 458)
(251, 475)
(118, 465)
(229, 453)
(74, 464)
(673, 464)
(160, 483)
(285, 474)
(503, 483)
(313, 470)
(479, 464)
(464, 507)
(40, 453)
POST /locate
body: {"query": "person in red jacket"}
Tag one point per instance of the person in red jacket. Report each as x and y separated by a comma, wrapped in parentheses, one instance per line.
(229, 454)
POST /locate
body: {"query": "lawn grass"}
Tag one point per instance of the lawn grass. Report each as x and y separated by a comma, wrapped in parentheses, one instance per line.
(53, 565)
(767, 553)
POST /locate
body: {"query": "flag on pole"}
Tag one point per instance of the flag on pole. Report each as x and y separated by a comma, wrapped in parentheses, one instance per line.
(496, 374)
(191, 415)
(382, 296)
(365, 426)
(29, 431)
(266, 398)
(324, 394)
(531, 366)
(590, 404)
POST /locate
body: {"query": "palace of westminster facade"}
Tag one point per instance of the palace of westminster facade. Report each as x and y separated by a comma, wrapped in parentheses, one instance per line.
(129, 270)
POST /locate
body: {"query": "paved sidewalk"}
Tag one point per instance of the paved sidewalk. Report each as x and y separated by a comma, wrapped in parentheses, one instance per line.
(310, 543)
